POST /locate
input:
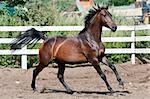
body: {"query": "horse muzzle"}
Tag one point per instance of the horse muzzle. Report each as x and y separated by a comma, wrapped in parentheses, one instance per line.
(114, 28)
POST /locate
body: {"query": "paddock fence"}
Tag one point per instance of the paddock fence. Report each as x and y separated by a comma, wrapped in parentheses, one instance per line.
(132, 39)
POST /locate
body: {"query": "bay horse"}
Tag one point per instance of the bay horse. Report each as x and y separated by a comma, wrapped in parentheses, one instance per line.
(85, 47)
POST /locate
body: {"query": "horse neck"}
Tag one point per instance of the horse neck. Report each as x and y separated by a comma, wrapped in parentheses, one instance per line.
(95, 29)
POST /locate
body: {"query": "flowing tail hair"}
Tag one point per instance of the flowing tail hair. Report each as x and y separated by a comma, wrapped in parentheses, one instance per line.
(29, 37)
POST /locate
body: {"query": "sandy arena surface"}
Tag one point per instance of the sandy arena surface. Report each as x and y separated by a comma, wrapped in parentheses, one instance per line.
(15, 83)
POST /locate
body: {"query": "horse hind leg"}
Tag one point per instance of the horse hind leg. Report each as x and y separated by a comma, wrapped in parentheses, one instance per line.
(60, 76)
(112, 66)
(44, 60)
(45, 57)
(36, 71)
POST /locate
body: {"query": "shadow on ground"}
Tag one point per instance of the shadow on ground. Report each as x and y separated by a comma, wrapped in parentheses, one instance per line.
(122, 93)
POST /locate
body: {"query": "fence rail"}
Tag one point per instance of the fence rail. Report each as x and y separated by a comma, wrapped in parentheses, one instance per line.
(24, 51)
(69, 28)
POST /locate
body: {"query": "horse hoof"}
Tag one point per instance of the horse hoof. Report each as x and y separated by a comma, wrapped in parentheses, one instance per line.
(34, 89)
(70, 92)
(111, 90)
(121, 85)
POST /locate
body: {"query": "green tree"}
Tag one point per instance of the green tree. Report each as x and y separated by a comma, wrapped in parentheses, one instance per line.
(13, 3)
(114, 2)
(105, 2)
(121, 2)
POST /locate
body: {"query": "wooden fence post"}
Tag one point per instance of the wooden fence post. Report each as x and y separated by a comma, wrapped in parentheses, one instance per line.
(133, 47)
(24, 59)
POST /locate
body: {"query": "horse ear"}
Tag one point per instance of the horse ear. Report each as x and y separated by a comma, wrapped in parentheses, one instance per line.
(107, 7)
(94, 7)
(94, 4)
(98, 7)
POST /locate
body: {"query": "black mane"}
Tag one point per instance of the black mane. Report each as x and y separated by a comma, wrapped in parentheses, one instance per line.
(89, 16)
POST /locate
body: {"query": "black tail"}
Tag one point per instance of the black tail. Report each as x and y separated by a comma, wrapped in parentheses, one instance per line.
(30, 36)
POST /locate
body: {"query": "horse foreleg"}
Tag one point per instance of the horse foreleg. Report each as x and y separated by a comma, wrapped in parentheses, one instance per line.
(36, 71)
(95, 63)
(112, 66)
(60, 76)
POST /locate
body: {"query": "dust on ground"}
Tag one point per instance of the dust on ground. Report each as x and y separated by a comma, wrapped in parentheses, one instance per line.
(15, 83)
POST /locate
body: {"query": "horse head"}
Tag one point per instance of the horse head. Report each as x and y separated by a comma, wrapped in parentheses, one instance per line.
(106, 18)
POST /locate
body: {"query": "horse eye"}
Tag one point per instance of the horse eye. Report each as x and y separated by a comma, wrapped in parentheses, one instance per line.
(104, 13)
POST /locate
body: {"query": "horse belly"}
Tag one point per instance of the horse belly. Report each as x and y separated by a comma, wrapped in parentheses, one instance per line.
(70, 54)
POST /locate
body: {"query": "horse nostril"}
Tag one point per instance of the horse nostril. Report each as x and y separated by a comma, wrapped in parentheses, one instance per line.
(114, 27)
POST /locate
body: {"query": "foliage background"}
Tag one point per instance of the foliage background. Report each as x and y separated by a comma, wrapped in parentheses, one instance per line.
(115, 2)
(50, 12)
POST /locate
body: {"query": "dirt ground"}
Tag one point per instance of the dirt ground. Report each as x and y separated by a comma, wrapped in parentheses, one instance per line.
(15, 83)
